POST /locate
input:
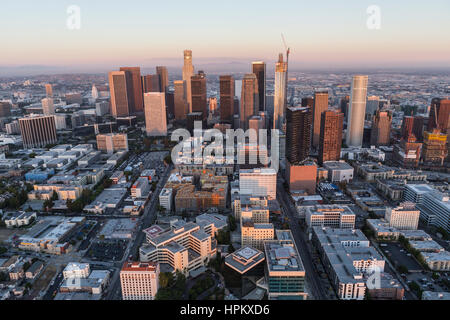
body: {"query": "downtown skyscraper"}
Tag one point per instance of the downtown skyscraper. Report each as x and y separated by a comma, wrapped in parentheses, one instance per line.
(136, 88)
(188, 73)
(198, 94)
(298, 133)
(259, 69)
(155, 114)
(121, 93)
(163, 74)
(227, 93)
(180, 100)
(381, 129)
(320, 105)
(357, 111)
(280, 93)
(331, 126)
(249, 99)
(439, 115)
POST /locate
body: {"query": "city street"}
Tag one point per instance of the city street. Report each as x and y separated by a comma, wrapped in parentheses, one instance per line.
(113, 291)
(312, 277)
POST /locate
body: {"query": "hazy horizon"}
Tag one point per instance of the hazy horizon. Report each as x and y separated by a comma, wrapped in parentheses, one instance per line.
(329, 35)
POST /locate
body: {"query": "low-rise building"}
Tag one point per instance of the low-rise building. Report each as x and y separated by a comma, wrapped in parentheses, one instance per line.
(403, 217)
(34, 270)
(339, 171)
(244, 259)
(332, 216)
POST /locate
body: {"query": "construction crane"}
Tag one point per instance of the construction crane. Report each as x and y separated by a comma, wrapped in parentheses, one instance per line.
(288, 51)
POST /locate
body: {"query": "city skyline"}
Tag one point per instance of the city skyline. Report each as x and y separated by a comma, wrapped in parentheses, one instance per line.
(411, 35)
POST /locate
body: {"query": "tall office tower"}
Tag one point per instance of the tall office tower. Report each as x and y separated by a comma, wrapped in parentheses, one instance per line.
(407, 127)
(381, 129)
(249, 99)
(319, 107)
(413, 125)
(188, 72)
(298, 134)
(136, 88)
(345, 105)
(227, 94)
(434, 150)
(372, 106)
(198, 94)
(48, 107)
(121, 93)
(331, 127)
(139, 280)
(112, 142)
(38, 131)
(49, 90)
(357, 111)
(308, 102)
(279, 100)
(151, 83)
(439, 115)
(180, 100)
(5, 109)
(259, 69)
(155, 114)
(163, 78)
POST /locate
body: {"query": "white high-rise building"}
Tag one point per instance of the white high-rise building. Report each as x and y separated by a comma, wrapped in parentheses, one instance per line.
(139, 281)
(279, 100)
(357, 111)
(258, 182)
(155, 114)
(188, 72)
(48, 107)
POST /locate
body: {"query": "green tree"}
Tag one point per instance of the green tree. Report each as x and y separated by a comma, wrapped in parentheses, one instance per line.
(166, 279)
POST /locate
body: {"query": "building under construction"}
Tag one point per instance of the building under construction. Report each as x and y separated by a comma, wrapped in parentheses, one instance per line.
(434, 149)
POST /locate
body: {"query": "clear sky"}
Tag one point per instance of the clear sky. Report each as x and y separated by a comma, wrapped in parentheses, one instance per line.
(146, 32)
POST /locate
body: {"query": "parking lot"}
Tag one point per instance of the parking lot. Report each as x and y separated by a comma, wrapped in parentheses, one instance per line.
(427, 283)
(110, 250)
(400, 257)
